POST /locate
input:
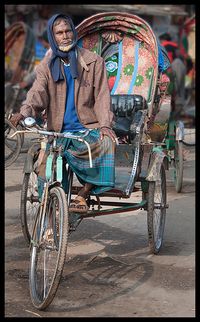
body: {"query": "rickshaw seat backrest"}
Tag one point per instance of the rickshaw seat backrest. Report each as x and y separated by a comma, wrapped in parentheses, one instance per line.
(127, 105)
(127, 111)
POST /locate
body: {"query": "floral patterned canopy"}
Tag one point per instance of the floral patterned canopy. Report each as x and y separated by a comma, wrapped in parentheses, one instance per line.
(129, 48)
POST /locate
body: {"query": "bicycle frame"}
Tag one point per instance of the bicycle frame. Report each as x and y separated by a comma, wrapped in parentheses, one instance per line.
(54, 157)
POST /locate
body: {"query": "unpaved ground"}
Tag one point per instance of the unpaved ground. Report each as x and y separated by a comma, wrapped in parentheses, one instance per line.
(109, 271)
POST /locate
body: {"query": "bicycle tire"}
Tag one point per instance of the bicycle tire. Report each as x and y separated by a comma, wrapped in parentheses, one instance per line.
(42, 295)
(29, 204)
(189, 137)
(156, 217)
(14, 145)
(23, 150)
(188, 144)
(19, 128)
(178, 163)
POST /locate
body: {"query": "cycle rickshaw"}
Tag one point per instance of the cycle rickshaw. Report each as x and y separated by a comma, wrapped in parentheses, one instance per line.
(142, 108)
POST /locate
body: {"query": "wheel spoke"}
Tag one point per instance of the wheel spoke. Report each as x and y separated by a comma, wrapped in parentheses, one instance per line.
(45, 272)
(156, 211)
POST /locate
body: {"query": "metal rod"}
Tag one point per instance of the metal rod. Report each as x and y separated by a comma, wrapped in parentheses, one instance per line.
(115, 203)
(132, 207)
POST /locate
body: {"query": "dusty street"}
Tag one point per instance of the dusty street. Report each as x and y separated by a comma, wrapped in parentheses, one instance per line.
(109, 271)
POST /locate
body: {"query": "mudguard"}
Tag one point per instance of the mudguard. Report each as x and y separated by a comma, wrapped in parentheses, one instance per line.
(157, 158)
(29, 162)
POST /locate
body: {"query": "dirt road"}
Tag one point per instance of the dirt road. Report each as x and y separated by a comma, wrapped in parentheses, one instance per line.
(109, 271)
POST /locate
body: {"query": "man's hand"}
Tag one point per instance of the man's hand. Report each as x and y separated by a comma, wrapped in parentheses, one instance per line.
(109, 132)
(16, 118)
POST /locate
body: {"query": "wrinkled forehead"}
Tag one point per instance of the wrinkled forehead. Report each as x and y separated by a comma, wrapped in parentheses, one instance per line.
(61, 21)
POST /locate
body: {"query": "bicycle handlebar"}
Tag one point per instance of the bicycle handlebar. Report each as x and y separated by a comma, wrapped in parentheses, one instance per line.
(57, 134)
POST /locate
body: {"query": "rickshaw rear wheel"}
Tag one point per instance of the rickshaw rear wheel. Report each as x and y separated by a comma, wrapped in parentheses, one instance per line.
(178, 163)
(156, 211)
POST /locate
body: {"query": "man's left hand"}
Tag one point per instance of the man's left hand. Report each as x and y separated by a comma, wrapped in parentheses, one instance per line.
(109, 132)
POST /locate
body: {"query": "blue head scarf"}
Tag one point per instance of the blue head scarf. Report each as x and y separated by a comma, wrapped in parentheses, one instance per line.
(55, 62)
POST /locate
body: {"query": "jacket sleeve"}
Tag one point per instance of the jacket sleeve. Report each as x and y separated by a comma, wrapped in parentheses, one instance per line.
(37, 99)
(102, 104)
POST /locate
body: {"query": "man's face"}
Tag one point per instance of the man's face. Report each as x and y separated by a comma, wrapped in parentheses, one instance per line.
(63, 35)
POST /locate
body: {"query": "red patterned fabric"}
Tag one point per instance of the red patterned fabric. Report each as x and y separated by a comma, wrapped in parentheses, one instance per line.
(104, 29)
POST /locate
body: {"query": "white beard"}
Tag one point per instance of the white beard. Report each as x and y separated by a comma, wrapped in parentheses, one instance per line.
(65, 48)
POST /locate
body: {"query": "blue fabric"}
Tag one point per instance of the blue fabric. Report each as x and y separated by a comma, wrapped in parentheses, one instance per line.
(119, 69)
(39, 120)
(163, 60)
(55, 62)
(71, 121)
(40, 50)
(167, 62)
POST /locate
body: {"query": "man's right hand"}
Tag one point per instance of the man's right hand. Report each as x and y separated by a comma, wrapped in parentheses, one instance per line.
(16, 118)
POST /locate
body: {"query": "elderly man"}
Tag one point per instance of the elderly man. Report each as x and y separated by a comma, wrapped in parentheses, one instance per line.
(71, 85)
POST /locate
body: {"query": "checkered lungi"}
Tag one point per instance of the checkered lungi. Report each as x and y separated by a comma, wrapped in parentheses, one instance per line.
(101, 175)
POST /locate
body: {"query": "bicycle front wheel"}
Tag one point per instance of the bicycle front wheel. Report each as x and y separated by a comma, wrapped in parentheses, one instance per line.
(48, 249)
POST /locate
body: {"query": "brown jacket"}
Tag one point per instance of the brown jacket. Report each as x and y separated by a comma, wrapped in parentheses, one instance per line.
(92, 95)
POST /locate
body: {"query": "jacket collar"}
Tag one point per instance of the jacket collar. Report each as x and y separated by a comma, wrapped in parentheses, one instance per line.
(85, 57)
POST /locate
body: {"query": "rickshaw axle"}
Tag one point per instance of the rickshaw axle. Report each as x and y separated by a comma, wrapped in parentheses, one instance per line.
(125, 208)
